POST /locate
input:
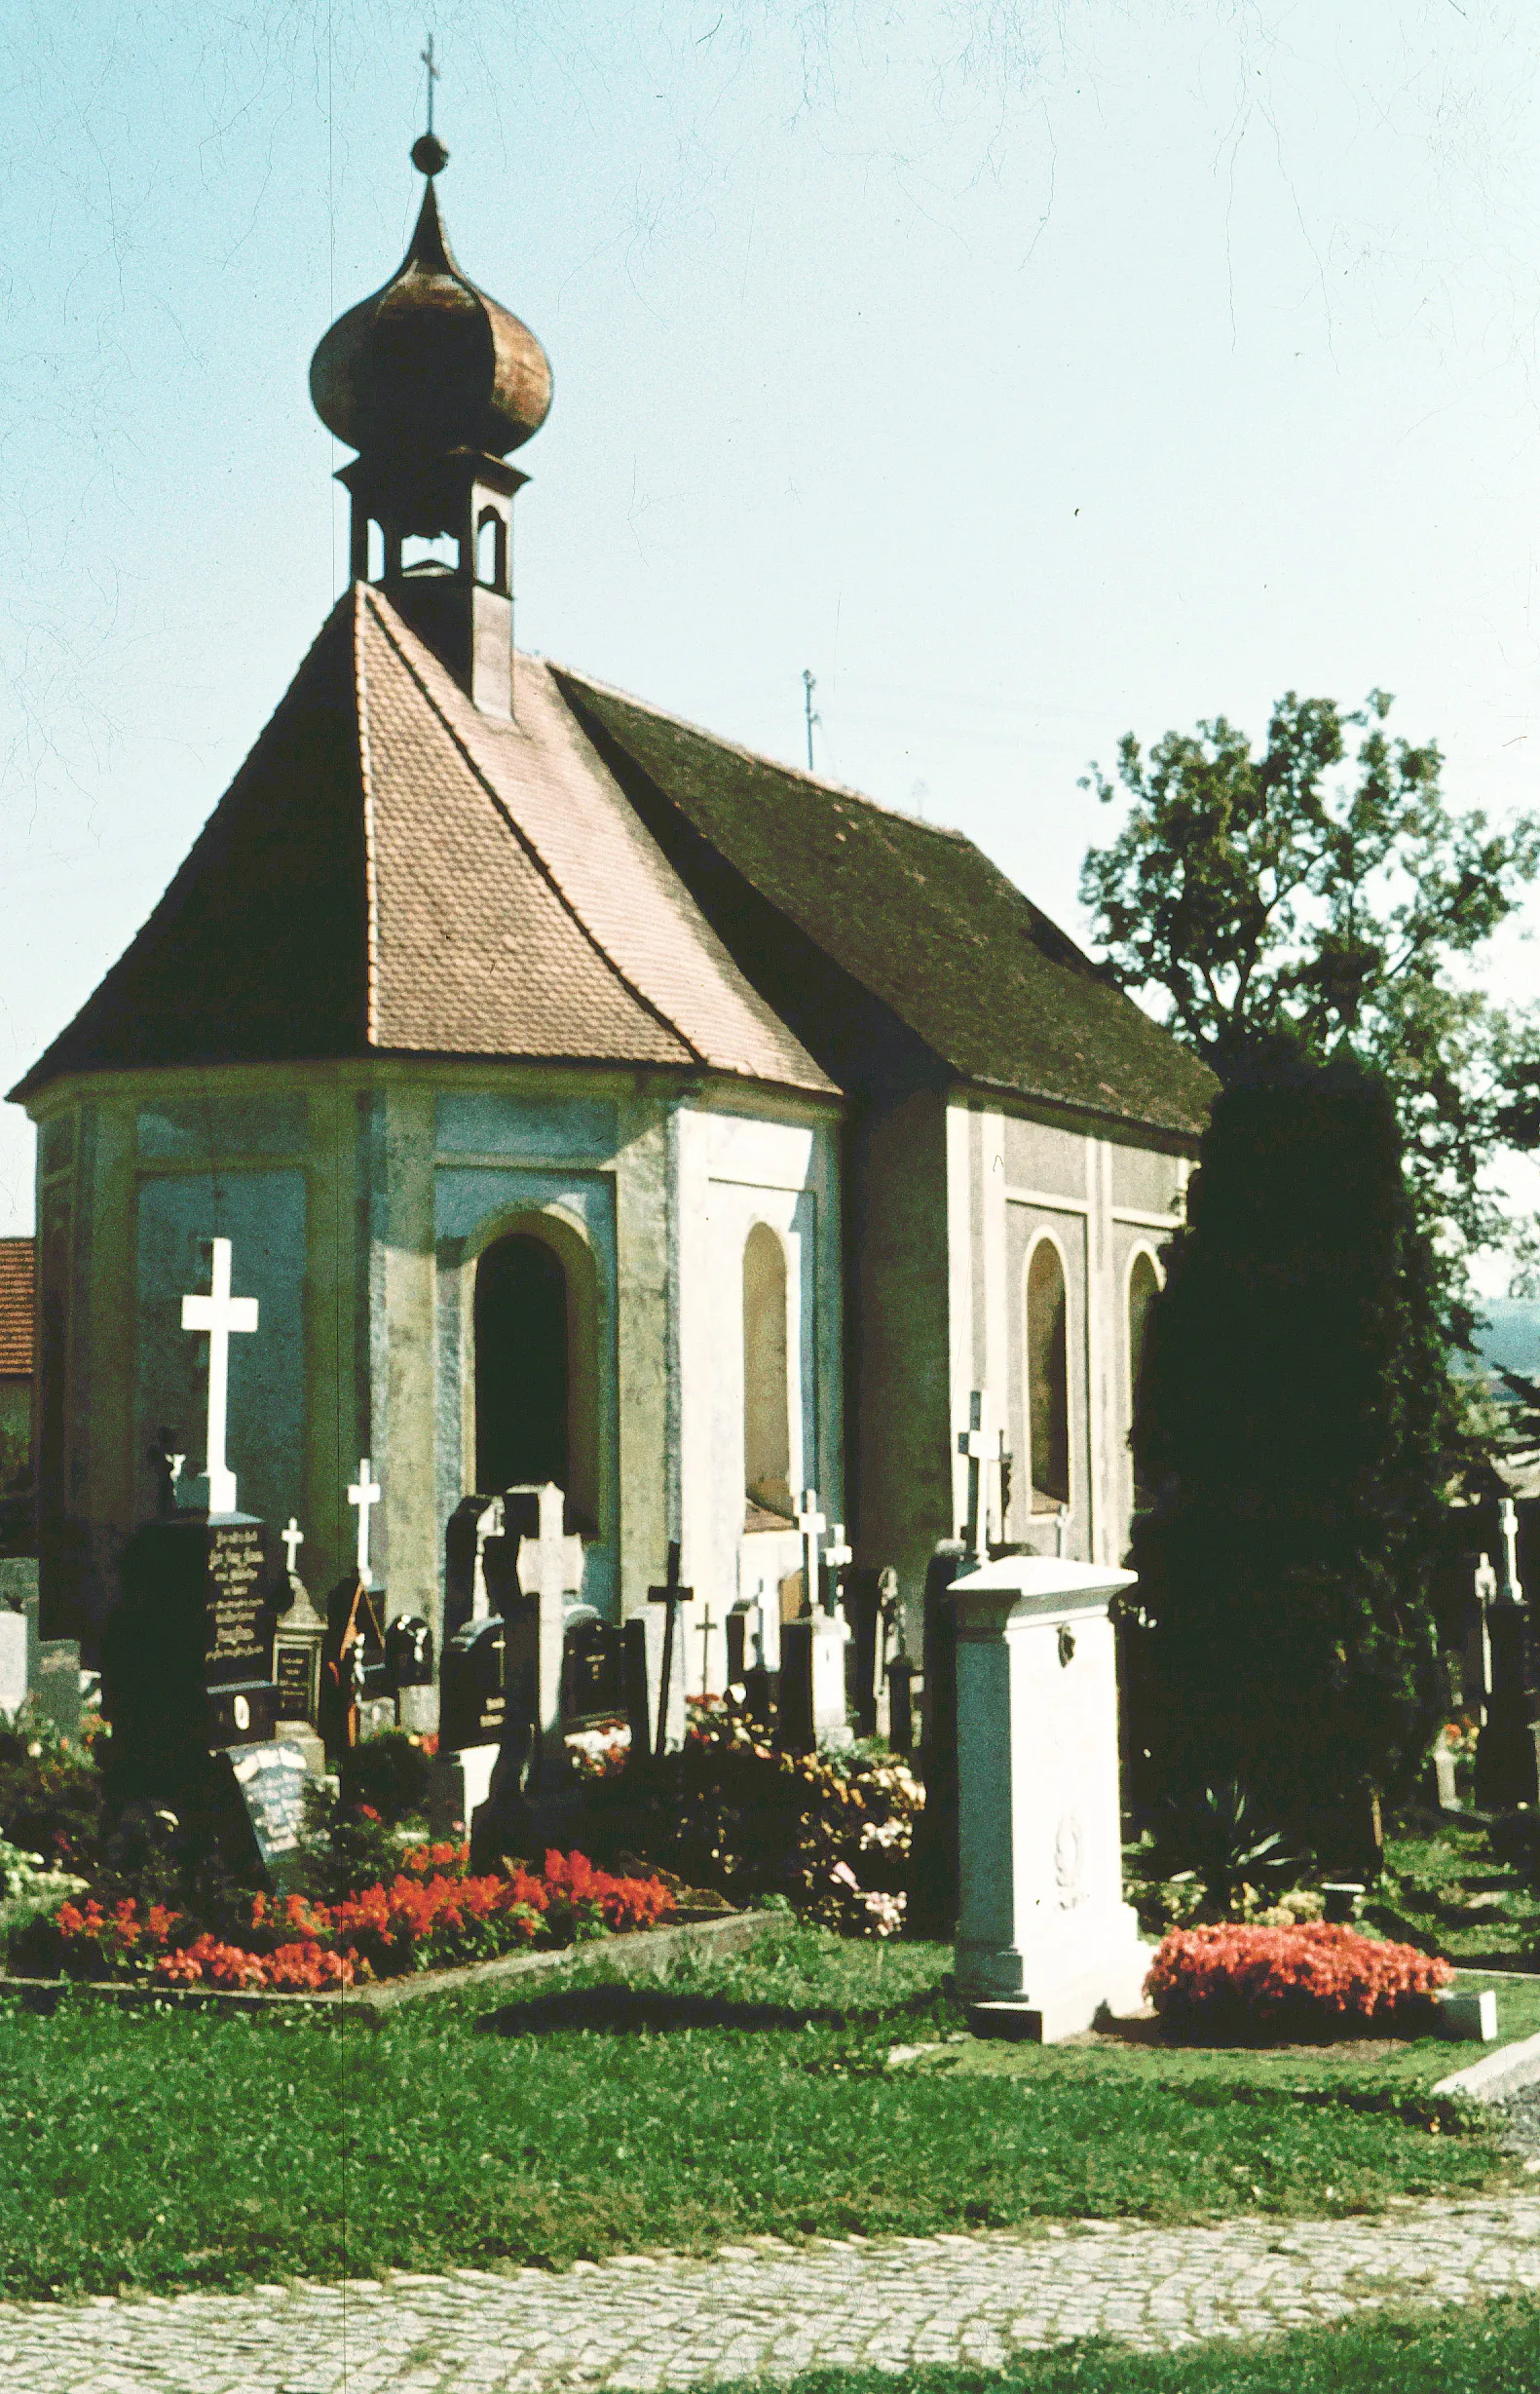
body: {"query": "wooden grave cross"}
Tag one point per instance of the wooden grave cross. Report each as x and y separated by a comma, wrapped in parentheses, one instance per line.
(220, 1315)
(672, 1594)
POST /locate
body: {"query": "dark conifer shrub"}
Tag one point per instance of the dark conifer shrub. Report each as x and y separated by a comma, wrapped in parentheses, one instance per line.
(1295, 1433)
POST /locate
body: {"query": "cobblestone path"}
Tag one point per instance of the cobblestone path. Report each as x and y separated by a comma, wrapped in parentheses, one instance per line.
(769, 2309)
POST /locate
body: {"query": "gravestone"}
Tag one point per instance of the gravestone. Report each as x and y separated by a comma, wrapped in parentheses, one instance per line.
(409, 1663)
(592, 1671)
(296, 1659)
(270, 1780)
(1506, 1771)
(187, 1656)
(1044, 1939)
(48, 1668)
(475, 1525)
(352, 1670)
(934, 1901)
(548, 1579)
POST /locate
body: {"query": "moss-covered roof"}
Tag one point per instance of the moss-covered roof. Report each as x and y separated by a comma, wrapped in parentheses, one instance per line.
(912, 913)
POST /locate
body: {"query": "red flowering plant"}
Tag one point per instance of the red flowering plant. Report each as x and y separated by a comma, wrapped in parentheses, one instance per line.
(1232, 1977)
(432, 1915)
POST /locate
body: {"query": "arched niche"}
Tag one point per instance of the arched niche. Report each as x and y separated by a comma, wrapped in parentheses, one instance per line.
(767, 1384)
(1144, 1287)
(1047, 1376)
(535, 1363)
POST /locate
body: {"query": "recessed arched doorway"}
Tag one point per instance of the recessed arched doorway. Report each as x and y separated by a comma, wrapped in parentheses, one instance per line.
(536, 1338)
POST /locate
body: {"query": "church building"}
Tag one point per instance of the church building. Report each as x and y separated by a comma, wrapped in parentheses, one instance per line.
(583, 1098)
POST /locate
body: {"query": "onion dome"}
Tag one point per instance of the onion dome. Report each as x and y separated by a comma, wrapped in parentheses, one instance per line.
(430, 364)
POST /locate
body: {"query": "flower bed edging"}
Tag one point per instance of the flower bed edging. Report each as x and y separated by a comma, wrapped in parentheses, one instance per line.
(642, 1950)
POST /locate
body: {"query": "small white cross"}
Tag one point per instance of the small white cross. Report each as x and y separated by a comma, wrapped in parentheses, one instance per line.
(219, 1314)
(812, 1524)
(291, 1539)
(837, 1553)
(365, 1495)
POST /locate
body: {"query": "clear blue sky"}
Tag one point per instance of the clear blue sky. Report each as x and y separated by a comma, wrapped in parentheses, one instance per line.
(1030, 372)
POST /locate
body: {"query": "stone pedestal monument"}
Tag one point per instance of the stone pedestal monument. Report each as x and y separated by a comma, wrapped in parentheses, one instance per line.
(1044, 1939)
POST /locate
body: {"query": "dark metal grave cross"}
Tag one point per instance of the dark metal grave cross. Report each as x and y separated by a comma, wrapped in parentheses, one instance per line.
(708, 1628)
(673, 1595)
(433, 77)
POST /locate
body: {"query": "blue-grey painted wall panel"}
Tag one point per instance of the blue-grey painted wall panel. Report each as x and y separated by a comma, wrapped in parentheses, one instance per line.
(183, 1129)
(536, 1130)
(263, 1216)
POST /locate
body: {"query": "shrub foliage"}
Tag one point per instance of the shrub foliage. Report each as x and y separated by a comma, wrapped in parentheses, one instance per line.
(1295, 1429)
(1232, 1975)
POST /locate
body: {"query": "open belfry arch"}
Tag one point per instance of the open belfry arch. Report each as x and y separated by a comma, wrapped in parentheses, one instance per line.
(582, 1097)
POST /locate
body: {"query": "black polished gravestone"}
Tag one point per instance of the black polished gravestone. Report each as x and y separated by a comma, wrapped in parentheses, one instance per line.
(187, 1656)
(593, 1686)
(472, 1687)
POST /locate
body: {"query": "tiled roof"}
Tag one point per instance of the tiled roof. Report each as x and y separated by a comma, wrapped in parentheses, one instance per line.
(391, 871)
(907, 911)
(18, 1271)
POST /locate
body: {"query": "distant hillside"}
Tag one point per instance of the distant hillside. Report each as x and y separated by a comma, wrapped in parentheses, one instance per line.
(1508, 1338)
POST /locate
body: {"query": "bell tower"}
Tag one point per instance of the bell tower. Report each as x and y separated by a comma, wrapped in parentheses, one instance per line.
(434, 384)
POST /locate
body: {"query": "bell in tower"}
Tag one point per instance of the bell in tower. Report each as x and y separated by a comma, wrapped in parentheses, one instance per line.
(435, 385)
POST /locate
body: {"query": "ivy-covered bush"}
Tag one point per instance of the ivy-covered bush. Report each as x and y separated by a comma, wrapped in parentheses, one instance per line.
(51, 1794)
(1231, 1977)
(829, 1832)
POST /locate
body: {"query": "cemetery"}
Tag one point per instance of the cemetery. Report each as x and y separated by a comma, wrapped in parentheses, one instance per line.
(719, 1553)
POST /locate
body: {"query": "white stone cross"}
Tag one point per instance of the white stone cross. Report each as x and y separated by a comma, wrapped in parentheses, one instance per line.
(291, 1539)
(836, 1555)
(365, 1496)
(1509, 1581)
(982, 1443)
(220, 1314)
(549, 1570)
(812, 1525)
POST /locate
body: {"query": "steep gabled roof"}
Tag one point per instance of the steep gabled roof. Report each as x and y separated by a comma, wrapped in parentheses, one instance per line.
(393, 872)
(17, 1274)
(911, 913)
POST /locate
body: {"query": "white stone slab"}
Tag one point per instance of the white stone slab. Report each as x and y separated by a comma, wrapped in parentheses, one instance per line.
(12, 1662)
(1041, 1920)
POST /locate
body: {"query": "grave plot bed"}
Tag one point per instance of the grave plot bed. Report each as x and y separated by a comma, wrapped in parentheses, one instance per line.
(551, 2118)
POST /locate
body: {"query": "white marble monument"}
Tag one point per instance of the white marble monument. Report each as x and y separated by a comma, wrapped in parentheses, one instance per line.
(1044, 1938)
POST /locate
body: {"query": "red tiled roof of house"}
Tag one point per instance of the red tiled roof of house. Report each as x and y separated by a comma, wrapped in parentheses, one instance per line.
(18, 1276)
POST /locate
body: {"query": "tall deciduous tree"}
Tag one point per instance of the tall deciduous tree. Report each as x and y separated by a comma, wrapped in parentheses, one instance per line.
(1330, 895)
(1297, 1434)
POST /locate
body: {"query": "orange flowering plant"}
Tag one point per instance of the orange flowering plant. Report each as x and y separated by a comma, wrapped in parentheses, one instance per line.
(432, 1915)
(1316, 1975)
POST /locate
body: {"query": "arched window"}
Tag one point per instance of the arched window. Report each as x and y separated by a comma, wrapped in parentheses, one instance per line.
(1143, 1286)
(492, 551)
(537, 1367)
(1047, 1377)
(767, 1401)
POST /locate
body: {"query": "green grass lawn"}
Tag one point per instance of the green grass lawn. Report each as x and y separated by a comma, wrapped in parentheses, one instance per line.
(155, 2150)
(1446, 1892)
(1494, 2350)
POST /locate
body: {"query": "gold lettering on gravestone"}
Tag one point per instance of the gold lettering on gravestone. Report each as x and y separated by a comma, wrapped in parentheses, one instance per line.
(236, 1571)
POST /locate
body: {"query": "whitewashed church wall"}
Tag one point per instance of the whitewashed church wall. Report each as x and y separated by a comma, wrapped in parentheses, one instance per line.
(734, 1172)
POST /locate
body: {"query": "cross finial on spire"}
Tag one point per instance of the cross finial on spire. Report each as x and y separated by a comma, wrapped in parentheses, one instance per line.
(429, 154)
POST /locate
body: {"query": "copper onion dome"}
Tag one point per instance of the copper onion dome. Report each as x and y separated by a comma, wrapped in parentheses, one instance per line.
(430, 364)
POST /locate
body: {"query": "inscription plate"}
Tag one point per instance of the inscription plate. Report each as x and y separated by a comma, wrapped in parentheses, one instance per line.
(294, 1663)
(240, 1623)
(241, 1716)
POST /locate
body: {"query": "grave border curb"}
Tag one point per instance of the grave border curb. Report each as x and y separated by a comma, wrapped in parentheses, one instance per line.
(643, 1949)
(1496, 2074)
